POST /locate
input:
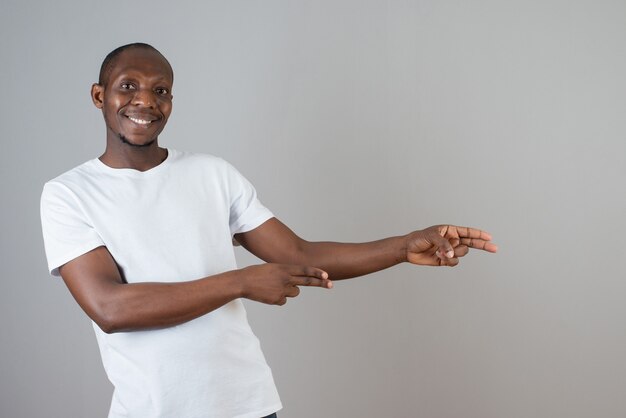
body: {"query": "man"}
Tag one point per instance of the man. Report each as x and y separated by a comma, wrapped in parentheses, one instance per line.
(142, 237)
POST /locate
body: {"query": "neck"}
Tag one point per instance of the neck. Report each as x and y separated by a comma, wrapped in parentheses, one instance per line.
(120, 155)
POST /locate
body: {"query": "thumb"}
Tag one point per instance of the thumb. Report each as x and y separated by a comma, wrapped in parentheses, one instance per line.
(444, 248)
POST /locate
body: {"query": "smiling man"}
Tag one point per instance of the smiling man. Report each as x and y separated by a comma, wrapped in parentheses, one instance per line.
(142, 236)
(138, 99)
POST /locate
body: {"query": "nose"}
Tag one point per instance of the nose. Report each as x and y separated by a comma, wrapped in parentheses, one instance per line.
(144, 97)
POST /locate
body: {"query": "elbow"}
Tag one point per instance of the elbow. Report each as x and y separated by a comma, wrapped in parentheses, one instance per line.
(107, 327)
(108, 319)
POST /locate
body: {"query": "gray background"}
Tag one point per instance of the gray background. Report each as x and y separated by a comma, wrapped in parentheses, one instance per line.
(356, 120)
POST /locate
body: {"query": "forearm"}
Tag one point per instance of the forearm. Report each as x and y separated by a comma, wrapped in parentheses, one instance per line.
(139, 306)
(346, 260)
(274, 242)
(115, 305)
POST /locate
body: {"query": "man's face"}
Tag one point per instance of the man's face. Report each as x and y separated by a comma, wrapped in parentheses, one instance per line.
(137, 98)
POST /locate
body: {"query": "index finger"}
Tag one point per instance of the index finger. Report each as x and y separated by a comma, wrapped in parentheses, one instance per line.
(310, 276)
(307, 271)
(467, 232)
(311, 281)
(480, 244)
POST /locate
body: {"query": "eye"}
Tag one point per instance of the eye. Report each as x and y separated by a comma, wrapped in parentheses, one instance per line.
(161, 91)
(127, 86)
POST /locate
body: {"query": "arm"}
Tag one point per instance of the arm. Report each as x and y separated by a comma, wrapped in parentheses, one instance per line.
(436, 246)
(95, 282)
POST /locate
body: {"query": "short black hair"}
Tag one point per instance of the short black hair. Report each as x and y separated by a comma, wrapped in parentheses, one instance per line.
(109, 60)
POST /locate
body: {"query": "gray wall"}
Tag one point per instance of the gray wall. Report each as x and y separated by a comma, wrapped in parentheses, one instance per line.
(356, 120)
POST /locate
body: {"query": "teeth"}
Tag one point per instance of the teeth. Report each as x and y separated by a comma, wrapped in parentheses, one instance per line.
(140, 121)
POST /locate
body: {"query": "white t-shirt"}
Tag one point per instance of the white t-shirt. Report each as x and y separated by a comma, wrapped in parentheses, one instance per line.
(172, 223)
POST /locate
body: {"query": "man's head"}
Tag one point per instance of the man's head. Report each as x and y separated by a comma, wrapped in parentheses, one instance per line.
(110, 60)
(134, 92)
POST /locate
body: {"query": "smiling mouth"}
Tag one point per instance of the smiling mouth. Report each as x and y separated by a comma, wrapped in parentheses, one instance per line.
(140, 121)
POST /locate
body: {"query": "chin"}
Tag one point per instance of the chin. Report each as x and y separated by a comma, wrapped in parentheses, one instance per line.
(126, 141)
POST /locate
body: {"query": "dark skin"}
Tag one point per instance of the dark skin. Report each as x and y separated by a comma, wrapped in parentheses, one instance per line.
(136, 102)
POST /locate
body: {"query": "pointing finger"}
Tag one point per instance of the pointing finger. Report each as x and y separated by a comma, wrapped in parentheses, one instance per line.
(466, 232)
(311, 281)
(479, 244)
(309, 276)
(308, 272)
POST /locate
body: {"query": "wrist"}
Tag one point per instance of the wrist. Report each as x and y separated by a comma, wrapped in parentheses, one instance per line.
(236, 282)
(402, 248)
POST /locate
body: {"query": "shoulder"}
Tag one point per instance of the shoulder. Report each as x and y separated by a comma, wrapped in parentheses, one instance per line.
(201, 161)
(75, 173)
(72, 180)
(207, 169)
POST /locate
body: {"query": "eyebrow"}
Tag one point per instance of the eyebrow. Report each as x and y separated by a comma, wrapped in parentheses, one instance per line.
(135, 74)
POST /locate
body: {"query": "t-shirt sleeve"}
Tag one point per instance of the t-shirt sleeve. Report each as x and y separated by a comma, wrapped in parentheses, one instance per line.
(67, 233)
(246, 211)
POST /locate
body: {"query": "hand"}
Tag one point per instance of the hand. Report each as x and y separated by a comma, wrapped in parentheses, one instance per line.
(274, 283)
(442, 245)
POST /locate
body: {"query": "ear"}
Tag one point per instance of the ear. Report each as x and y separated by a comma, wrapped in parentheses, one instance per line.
(97, 95)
